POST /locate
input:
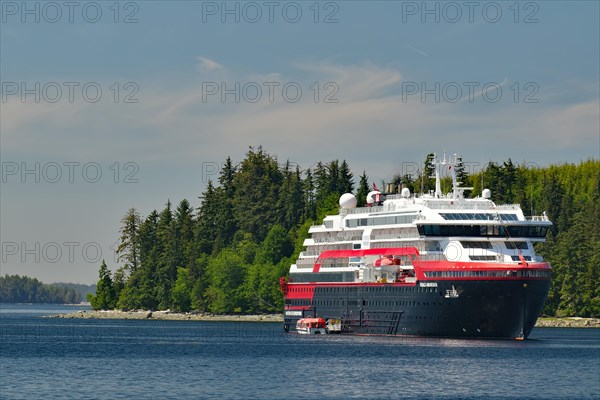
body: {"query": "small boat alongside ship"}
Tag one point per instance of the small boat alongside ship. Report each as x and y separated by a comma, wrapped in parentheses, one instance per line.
(311, 326)
(431, 265)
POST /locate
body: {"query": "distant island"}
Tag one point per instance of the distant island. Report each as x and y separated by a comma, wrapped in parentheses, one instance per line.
(226, 256)
(22, 289)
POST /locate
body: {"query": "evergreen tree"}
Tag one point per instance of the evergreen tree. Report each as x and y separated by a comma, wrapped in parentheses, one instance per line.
(462, 176)
(184, 234)
(346, 179)
(226, 218)
(105, 294)
(143, 283)
(426, 180)
(257, 189)
(363, 190)
(310, 208)
(291, 202)
(207, 221)
(129, 245)
(166, 272)
(322, 182)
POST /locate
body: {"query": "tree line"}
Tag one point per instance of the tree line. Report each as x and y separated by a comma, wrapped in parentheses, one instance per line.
(22, 289)
(227, 255)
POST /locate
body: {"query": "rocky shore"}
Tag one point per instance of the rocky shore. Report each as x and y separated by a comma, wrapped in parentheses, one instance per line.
(168, 315)
(573, 322)
(570, 322)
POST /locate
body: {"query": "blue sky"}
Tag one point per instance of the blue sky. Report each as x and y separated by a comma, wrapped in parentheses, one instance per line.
(503, 79)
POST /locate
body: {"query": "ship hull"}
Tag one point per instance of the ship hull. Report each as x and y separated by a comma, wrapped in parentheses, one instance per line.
(506, 309)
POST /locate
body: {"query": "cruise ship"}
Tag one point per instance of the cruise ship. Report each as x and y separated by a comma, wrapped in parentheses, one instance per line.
(437, 264)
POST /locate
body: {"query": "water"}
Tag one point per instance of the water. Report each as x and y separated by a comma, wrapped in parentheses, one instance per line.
(109, 359)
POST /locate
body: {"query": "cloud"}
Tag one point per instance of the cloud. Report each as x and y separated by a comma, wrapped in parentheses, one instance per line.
(484, 91)
(371, 124)
(421, 52)
(206, 64)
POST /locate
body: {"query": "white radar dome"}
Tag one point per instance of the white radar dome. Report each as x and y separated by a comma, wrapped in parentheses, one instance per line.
(405, 193)
(373, 197)
(347, 200)
(486, 193)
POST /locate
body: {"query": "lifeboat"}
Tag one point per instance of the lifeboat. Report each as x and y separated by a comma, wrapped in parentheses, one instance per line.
(311, 326)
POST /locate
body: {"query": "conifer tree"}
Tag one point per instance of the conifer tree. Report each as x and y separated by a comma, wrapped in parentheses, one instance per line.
(363, 190)
(105, 294)
(346, 179)
(129, 245)
(308, 185)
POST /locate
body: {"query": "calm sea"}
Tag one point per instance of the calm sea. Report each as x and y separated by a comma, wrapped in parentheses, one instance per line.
(43, 358)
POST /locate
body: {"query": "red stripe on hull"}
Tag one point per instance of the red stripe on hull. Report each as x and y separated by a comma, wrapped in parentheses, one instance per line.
(301, 291)
(422, 267)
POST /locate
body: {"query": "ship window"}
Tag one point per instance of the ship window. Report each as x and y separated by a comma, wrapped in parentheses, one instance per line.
(475, 245)
(482, 258)
(478, 216)
(517, 245)
(482, 230)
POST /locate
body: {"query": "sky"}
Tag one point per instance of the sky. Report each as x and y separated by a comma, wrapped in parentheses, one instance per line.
(110, 105)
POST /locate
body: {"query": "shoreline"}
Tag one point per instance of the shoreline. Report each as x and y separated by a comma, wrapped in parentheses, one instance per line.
(542, 322)
(168, 316)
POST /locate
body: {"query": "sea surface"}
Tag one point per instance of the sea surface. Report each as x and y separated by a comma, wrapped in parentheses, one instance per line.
(47, 358)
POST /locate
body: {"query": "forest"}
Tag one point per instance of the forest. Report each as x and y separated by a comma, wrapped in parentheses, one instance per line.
(22, 289)
(227, 255)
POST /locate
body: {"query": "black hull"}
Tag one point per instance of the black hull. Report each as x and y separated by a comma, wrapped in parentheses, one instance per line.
(505, 309)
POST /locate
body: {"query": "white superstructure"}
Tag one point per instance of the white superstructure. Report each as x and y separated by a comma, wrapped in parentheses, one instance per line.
(442, 227)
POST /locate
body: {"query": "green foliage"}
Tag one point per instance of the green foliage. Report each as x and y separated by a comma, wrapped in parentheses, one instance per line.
(226, 275)
(277, 245)
(181, 292)
(105, 298)
(363, 190)
(129, 245)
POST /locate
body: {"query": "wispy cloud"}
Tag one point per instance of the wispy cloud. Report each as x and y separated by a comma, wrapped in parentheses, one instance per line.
(370, 123)
(421, 52)
(206, 64)
(484, 91)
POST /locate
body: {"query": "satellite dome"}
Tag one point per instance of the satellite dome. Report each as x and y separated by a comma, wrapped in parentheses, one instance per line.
(405, 193)
(486, 193)
(373, 197)
(348, 200)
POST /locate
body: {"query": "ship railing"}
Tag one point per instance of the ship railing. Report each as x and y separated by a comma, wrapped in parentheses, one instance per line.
(336, 239)
(456, 205)
(363, 210)
(537, 218)
(305, 254)
(302, 262)
(509, 207)
(409, 235)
